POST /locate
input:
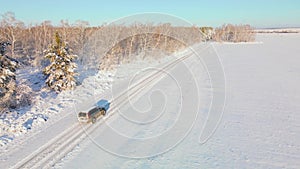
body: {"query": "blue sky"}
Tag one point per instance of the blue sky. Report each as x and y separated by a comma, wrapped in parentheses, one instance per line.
(258, 13)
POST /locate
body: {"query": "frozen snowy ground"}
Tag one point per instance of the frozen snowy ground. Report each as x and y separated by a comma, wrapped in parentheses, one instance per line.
(259, 129)
(46, 104)
(22, 133)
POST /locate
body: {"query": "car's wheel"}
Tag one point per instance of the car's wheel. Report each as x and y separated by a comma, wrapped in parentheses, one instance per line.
(103, 112)
(93, 120)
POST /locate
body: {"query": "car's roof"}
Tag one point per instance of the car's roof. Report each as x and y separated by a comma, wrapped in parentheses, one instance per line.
(94, 109)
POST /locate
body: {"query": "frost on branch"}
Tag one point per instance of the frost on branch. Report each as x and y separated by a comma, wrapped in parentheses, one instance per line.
(61, 71)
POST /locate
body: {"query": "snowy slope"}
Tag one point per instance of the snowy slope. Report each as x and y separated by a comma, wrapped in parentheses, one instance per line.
(259, 129)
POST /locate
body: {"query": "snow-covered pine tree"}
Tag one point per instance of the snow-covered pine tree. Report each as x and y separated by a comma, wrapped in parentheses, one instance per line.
(7, 78)
(61, 71)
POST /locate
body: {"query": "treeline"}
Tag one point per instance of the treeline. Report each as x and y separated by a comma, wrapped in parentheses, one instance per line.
(28, 42)
(109, 44)
(92, 44)
(143, 41)
(234, 33)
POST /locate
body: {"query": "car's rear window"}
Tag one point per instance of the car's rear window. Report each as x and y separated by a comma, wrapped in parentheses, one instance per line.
(82, 114)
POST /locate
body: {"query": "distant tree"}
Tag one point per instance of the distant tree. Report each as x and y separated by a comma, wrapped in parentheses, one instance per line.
(207, 33)
(12, 28)
(80, 38)
(61, 71)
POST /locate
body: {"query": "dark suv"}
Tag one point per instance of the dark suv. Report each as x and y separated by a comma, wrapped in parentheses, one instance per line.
(94, 113)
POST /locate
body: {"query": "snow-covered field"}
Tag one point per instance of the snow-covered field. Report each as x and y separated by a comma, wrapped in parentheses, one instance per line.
(259, 129)
(278, 30)
(161, 126)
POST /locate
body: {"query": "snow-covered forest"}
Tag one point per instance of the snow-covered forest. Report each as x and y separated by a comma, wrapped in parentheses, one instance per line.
(28, 41)
(102, 47)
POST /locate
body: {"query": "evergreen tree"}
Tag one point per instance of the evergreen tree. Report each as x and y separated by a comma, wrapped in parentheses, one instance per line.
(60, 72)
(7, 78)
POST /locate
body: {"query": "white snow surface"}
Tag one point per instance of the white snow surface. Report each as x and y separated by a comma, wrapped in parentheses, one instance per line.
(260, 125)
(161, 126)
(46, 105)
(28, 128)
